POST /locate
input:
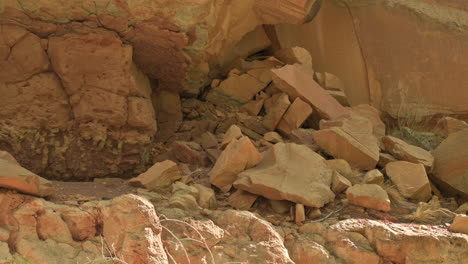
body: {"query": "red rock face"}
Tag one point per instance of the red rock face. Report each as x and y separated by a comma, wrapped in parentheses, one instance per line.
(82, 98)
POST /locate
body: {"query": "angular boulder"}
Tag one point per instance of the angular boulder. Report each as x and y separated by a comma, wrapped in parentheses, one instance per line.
(404, 151)
(290, 172)
(350, 138)
(276, 107)
(451, 163)
(294, 117)
(410, 179)
(298, 81)
(15, 177)
(159, 177)
(240, 154)
(369, 195)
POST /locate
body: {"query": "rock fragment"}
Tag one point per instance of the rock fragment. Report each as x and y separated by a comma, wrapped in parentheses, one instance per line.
(406, 152)
(294, 117)
(242, 200)
(239, 155)
(13, 176)
(298, 81)
(410, 179)
(350, 138)
(290, 172)
(369, 195)
(451, 163)
(159, 177)
(275, 107)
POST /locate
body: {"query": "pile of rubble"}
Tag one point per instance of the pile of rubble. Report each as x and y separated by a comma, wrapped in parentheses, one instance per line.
(275, 138)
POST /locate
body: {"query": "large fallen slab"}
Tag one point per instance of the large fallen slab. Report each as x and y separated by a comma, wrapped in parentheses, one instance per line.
(290, 172)
(451, 163)
(351, 139)
(298, 81)
(15, 177)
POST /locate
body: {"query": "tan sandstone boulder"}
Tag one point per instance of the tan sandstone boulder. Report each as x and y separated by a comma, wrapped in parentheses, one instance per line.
(13, 176)
(350, 138)
(404, 151)
(294, 117)
(290, 172)
(298, 81)
(159, 177)
(240, 154)
(451, 163)
(410, 179)
(369, 195)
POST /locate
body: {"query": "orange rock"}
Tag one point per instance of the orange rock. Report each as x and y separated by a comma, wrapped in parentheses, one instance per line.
(410, 179)
(404, 151)
(159, 177)
(294, 55)
(350, 138)
(340, 183)
(369, 195)
(242, 200)
(130, 224)
(275, 107)
(188, 152)
(305, 252)
(234, 132)
(374, 177)
(295, 116)
(280, 176)
(460, 224)
(253, 107)
(451, 163)
(240, 154)
(298, 81)
(373, 115)
(299, 214)
(384, 159)
(448, 125)
(15, 177)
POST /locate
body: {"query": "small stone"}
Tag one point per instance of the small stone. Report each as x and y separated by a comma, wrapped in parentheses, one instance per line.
(273, 137)
(404, 151)
(374, 177)
(339, 183)
(242, 200)
(207, 197)
(370, 196)
(159, 177)
(280, 206)
(410, 179)
(343, 168)
(188, 152)
(315, 213)
(183, 201)
(276, 107)
(384, 159)
(234, 132)
(294, 117)
(208, 140)
(460, 224)
(300, 214)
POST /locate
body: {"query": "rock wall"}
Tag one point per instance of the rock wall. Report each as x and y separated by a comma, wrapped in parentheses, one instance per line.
(75, 76)
(405, 57)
